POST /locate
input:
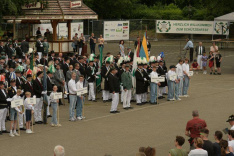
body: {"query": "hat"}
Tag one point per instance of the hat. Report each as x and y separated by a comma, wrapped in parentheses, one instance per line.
(80, 58)
(39, 65)
(172, 66)
(3, 53)
(12, 80)
(3, 57)
(127, 65)
(52, 52)
(152, 59)
(160, 61)
(120, 61)
(230, 118)
(29, 75)
(17, 71)
(113, 68)
(39, 73)
(109, 59)
(127, 59)
(1, 83)
(16, 57)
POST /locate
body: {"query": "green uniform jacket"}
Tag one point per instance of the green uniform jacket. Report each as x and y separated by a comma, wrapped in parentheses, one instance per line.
(126, 79)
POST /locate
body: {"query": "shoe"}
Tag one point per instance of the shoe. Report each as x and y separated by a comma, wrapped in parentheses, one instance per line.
(89, 100)
(178, 99)
(117, 111)
(173, 99)
(104, 101)
(52, 125)
(5, 131)
(181, 96)
(94, 100)
(58, 125)
(23, 129)
(139, 104)
(210, 73)
(109, 100)
(112, 112)
(153, 103)
(160, 97)
(16, 134)
(29, 131)
(72, 119)
(133, 100)
(186, 95)
(130, 107)
(219, 73)
(79, 118)
(82, 117)
(126, 108)
(11, 135)
(49, 116)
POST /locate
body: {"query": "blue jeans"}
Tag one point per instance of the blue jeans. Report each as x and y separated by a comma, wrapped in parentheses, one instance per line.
(185, 85)
(153, 92)
(170, 89)
(79, 106)
(180, 85)
(54, 106)
(73, 99)
(177, 90)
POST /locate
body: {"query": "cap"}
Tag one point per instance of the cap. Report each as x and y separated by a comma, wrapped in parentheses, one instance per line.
(12, 80)
(17, 71)
(80, 58)
(172, 66)
(52, 52)
(230, 118)
(3, 57)
(3, 53)
(39, 73)
(127, 65)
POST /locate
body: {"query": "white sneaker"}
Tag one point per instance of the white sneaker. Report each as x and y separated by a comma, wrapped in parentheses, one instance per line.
(79, 118)
(52, 125)
(172, 99)
(179, 99)
(11, 135)
(16, 134)
(82, 117)
(58, 125)
(186, 95)
(181, 96)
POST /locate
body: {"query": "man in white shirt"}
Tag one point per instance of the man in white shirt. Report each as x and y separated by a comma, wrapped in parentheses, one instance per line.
(199, 51)
(180, 76)
(72, 96)
(80, 99)
(185, 67)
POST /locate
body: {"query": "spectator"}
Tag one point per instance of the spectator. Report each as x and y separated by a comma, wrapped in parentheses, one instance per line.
(149, 151)
(59, 150)
(178, 151)
(208, 146)
(231, 121)
(75, 42)
(214, 48)
(218, 60)
(193, 127)
(231, 141)
(121, 48)
(224, 148)
(198, 142)
(195, 66)
(218, 137)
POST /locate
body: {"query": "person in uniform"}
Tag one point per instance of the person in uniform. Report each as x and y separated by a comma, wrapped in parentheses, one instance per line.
(38, 89)
(126, 79)
(28, 87)
(19, 81)
(3, 108)
(114, 88)
(161, 72)
(105, 71)
(40, 48)
(145, 73)
(44, 60)
(91, 77)
(50, 85)
(140, 82)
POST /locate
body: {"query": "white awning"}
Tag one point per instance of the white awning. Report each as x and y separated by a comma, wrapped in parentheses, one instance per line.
(228, 17)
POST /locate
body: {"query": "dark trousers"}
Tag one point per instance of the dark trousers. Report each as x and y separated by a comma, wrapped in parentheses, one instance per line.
(191, 54)
(92, 48)
(75, 49)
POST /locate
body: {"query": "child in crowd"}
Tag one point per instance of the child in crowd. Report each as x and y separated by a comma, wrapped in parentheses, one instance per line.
(173, 85)
(218, 60)
(195, 66)
(29, 111)
(211, 62)
(204, 62)
(153, 87)
(54, 105)
(14, 115)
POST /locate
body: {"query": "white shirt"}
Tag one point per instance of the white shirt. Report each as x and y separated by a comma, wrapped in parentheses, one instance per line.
(179, 70)
(232, 128)
(15, 97)
(79, 85)
(153, 74)
(231, 144)
(28, 106)
(198, 152)
(185, 67)
(170, 73)
(72, 86)
(200, 50)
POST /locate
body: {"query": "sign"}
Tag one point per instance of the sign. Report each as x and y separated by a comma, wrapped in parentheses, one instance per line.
(32, 101)
(58, 95)
(82, 91)
(221, 27)
(173, 77)
(75, 4)
(36, 5)
(17, 103)
(185, 27)
(116, 30)
(190, 73)
(77, 28)
(157, 79)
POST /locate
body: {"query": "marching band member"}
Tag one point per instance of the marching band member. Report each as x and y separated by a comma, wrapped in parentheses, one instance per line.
(72, 96)
(126, 79)
(91, 77)
(140, 82)
(105, 73)
(121, 69)
(28, 87)
(50, 85)
(162, 73)
(114, 87)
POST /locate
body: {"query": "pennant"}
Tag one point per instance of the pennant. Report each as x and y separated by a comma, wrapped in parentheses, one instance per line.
(144, 49)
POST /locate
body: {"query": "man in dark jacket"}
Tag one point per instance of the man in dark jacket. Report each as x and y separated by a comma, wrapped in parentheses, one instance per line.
(91, 78)
(3, 108)
(24, 46)
(140, 84)
(105, 71)
(114, 87)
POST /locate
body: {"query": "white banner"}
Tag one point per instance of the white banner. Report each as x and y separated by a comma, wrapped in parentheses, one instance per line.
(157, 79)
(187, 27)
(58, 95)
(116, 30)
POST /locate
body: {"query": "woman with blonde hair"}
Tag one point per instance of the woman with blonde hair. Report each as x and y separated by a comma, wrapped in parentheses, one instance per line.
(198, 142)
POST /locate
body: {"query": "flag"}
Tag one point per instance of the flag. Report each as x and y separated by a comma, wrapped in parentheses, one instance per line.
(99, 80)
(144, 49)
(134, 68)
(45, 99)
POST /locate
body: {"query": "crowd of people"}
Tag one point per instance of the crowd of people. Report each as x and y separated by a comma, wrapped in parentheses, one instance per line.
(200, 145)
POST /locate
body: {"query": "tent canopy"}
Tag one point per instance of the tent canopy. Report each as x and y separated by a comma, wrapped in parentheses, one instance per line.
(228, 17)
